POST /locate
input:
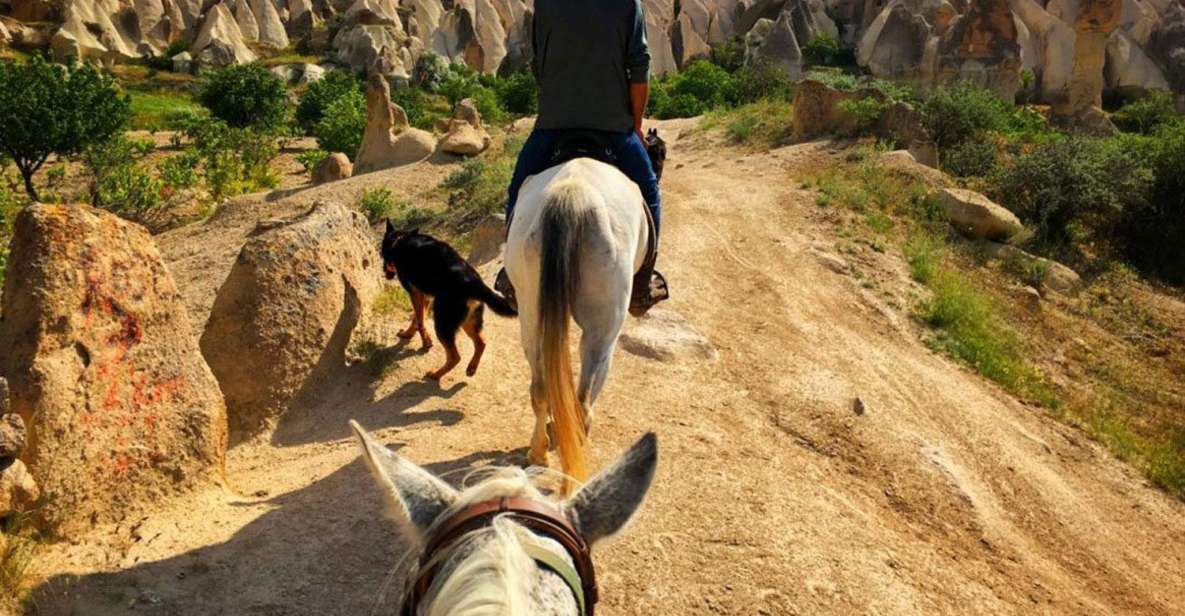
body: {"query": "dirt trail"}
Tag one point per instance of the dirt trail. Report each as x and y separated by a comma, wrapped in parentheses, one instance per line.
(773, 496)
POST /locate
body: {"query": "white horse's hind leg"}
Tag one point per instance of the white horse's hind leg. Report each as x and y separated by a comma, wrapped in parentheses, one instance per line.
(537, 454)
(600, 322)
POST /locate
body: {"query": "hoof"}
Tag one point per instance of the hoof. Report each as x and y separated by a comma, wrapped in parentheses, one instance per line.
(534, 459)
(471, 370)
(432, 376)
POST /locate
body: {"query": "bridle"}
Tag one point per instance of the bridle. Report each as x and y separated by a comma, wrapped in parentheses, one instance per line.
(544, 520)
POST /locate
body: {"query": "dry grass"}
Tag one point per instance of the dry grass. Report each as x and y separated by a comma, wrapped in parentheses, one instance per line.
(1110, 362)
(19, 542)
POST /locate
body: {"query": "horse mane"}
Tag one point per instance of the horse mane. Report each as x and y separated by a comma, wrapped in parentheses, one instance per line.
(494, 579)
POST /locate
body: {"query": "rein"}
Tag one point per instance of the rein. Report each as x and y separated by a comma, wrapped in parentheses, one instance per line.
(543, 520)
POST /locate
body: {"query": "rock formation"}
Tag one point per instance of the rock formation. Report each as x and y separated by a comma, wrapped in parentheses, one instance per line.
(120, 407)
(1073, 48)
(299, 293)
(466, 135)
(389, 141)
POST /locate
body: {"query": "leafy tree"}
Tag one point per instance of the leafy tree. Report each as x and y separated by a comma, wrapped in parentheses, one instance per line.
(960, 112)
(321, 94)
(245, 95)
(343, 125)
(47, 108)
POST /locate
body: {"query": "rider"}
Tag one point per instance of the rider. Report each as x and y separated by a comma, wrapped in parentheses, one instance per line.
(592, 63)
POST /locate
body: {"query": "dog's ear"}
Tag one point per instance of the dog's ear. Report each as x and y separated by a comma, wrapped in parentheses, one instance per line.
(653, 131)
(390, 227)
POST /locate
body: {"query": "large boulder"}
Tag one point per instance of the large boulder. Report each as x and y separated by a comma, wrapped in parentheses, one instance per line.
(299, 293)
(220, 41)
(389, 141)
(466, 135)
(817, 109)
(120, 406)
(332, 168)
(976, 216)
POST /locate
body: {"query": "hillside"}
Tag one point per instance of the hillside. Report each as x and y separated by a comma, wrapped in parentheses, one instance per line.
(943, 494)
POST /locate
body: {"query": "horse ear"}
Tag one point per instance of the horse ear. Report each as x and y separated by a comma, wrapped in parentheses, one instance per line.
(606, 503)
(415, 498)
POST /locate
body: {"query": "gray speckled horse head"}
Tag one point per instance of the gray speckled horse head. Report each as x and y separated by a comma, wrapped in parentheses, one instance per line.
(489, 571)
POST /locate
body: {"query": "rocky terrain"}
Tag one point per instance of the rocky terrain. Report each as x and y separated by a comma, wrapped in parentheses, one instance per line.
(1060, 52)
(816, 456)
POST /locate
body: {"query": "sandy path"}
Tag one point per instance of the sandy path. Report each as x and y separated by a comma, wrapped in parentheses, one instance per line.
(773, 497)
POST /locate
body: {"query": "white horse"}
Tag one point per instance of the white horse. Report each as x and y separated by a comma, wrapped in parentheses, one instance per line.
(578, 235)
(502, 567)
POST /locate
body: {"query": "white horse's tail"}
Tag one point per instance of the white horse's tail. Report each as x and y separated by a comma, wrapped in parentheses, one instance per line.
(565, 219)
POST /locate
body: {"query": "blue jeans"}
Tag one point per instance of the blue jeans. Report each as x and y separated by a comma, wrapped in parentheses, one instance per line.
(632, 160)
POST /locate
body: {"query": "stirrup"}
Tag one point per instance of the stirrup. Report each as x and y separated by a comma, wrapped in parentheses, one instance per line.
(645, 296)
(502, 285)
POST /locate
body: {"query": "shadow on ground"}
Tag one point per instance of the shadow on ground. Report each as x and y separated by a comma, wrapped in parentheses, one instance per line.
(323, 413)
(326, 549)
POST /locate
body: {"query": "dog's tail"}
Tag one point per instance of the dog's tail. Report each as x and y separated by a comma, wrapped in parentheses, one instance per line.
(563, 227)
(491, 298)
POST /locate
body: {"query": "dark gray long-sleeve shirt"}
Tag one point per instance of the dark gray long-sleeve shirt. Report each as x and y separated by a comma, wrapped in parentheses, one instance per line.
(586, 53)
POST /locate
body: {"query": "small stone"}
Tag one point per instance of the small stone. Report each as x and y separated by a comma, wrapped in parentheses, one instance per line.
(487, 239)
(12, 436)
(17, 488)
(858, 406)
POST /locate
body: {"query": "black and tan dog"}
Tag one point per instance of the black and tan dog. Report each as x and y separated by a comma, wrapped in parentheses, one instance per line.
(430, 269)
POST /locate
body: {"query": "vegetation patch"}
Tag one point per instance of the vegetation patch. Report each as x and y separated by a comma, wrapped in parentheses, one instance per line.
(767, 123)
(154, 110)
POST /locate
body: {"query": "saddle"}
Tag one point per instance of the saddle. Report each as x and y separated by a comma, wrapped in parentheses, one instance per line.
(649, 286)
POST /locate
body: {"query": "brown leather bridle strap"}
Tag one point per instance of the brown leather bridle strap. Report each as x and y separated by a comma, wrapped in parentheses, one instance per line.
(540, 518)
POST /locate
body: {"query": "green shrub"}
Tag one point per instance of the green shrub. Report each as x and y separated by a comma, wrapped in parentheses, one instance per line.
(48, 108)
(478, 188)
(698, 88)
(343, 124)
(377, 204)
(245, 95)
(729, 55)
(1156, 230)
(430, 72)
(824, 50)
(119, 181)
(766, 123)
(957, 113)
(1148, 114)
(518, 93)
(762, 80)
(232, 161)
(1073, 189)
(309, 159)
(320, 94)
(487, 105)
(971, 159)
(866, 111)
(840, 80)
